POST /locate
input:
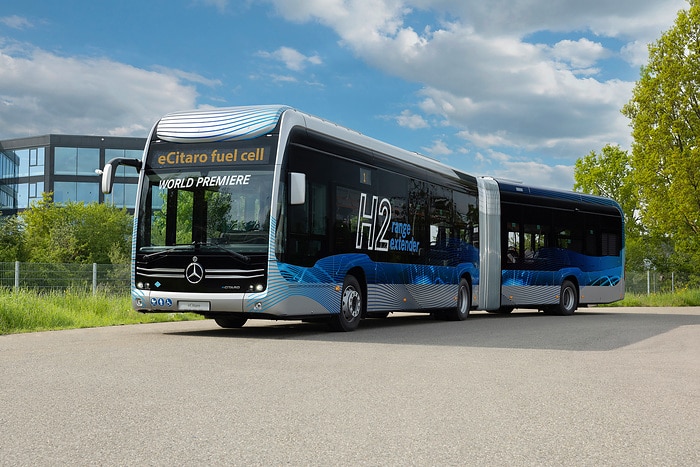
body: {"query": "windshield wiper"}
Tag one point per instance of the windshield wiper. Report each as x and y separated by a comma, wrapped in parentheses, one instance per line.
(163, 252)
(235, 254)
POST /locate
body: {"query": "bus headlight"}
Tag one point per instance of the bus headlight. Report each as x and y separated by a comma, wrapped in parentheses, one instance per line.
(259, 288)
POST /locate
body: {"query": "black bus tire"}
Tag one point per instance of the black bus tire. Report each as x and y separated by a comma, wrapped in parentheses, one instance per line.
(351, 306)
(568, 299)
(464, 302)
(230, 322)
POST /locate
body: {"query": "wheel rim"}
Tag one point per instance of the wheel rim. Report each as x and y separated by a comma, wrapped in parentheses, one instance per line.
(352, 303)
(463, 300)
(568, 299)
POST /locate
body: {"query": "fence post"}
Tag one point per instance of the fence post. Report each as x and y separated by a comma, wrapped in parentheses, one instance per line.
(94, 278)
(648, 282)
(16, 275)
(673, 282)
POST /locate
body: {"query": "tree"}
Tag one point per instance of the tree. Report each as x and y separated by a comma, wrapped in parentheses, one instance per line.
(665, 120)
(610, 174)
(11, 240)
(76, 232)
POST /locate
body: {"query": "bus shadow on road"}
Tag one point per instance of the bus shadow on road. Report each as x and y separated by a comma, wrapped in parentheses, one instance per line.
(585, 331)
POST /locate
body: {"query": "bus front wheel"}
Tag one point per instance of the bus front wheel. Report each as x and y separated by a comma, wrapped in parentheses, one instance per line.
(351, 304)
(230, 322)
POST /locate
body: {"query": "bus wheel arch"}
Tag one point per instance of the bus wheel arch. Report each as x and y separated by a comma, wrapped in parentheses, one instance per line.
(353, 302)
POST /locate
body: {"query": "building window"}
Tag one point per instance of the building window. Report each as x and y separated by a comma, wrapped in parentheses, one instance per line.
(35, 191)
(22, 195)
(7, 200)
(124, 191)
(8, 165)
(36, 161)
(123, 195)
(128, 153)
(86, 192)
(76, 161)
(31, 161)
(23, 159)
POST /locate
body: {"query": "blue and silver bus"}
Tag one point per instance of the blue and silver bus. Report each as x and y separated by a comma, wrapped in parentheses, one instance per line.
(267, 212)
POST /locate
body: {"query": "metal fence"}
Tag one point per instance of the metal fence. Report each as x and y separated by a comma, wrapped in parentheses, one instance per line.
(651, 282)
(113, 278)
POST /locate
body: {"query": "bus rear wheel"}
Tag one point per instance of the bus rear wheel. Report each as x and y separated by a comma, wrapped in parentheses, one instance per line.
(464, 302)
(351, 306)
(568, 299)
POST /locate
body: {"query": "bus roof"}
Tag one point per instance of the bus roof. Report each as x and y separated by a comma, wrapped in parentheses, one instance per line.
(247, 122)
(519, 188)
(224, 124)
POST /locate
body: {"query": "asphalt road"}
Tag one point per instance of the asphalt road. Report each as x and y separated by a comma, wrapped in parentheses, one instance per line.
(603, 387)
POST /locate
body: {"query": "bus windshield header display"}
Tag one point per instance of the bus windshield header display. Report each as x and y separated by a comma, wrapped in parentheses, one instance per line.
(179, 157)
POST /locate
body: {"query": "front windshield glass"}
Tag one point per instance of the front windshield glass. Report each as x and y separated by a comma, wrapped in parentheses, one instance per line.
(216, 208)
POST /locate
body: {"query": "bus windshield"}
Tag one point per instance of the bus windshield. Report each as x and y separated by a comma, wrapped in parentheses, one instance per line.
(214, 208)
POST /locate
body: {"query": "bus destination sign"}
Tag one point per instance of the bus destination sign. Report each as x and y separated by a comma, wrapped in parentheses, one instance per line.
(242, 156)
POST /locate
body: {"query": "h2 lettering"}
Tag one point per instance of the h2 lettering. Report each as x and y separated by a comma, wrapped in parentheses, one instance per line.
(379, 213)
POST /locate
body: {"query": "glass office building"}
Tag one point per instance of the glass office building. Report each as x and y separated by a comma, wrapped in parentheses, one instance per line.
(65, 165)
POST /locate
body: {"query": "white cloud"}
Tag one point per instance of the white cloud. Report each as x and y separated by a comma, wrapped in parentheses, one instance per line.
(356, 21)
(438, 149)
(536, 173)
(291, 58)
(636, 53)
(582, 53)
(16, 22)
(482, 76)
(531, 172)
(283, 78)
(410, 120)
(91, 95)
(187, 76)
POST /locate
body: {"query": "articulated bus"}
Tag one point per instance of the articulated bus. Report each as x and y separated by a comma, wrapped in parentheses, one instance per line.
(267, 212)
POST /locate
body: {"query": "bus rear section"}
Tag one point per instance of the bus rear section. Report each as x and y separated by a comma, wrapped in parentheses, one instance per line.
(558, 250)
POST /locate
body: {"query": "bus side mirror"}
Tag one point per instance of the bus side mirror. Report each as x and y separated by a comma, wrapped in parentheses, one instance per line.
(297, 188)
(111, 168)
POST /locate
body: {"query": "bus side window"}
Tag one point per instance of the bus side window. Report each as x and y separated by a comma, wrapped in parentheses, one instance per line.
(441, 227)
(535, 239)
(417, 214)
(610, 244)
(514, 243)
(307, 225)
(466, 218)
(318, 209)
(346, 210)
(299, 217)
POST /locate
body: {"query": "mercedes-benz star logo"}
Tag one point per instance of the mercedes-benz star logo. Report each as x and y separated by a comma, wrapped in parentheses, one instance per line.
(194, 273)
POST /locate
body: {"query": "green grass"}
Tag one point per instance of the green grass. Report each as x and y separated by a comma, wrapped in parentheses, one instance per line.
(689, 297)
(27, 311)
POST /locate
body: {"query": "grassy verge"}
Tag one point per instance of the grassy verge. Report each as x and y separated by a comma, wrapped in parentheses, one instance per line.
(678, 298)
(26, 311)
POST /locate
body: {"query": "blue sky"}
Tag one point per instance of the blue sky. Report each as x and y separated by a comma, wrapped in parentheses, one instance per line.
(511, 88)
